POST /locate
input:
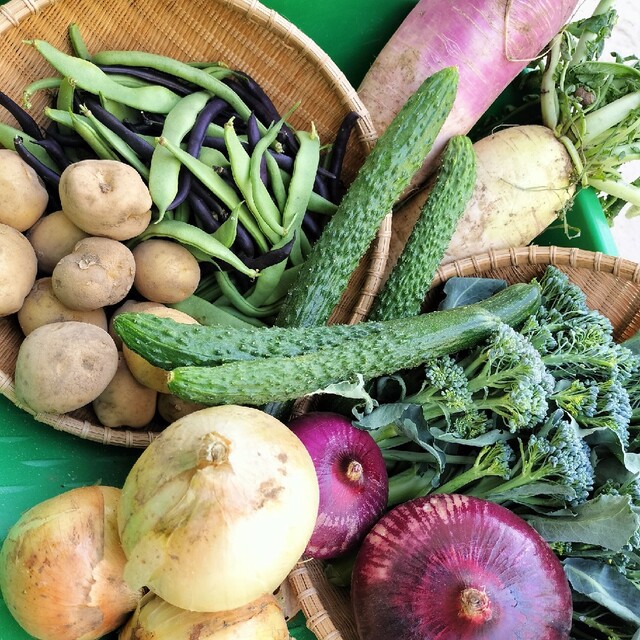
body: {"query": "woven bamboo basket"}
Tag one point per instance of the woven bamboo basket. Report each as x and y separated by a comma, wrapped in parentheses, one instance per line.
(612, 286)
(242, 33)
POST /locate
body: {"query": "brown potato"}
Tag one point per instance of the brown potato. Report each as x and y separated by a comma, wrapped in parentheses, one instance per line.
(172, 408)
(125, 402)
(42, 307)
(98, 273)
(165, 271)
(23, 197)
(105, 198)
(143, 371)
(63, 366)
(18, 269)
(53, 237)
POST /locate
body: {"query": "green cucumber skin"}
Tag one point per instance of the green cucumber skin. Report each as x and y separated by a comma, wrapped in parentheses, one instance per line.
(403, 344)
(168, 344)
(383, 177)
(403, 293)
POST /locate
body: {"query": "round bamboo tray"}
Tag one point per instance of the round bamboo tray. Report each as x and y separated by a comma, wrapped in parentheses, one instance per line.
(612, 286)
(241, 33)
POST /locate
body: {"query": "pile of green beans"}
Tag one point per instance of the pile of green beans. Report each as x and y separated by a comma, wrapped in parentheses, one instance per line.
(245, 193)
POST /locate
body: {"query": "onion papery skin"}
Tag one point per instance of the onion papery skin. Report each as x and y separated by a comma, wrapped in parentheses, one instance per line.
(424, 558)
(61, 567)
(155, 619)
(353, 481)
(218, 509)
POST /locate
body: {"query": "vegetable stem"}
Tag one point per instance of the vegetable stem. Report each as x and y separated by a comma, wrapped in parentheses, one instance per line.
(607, 117)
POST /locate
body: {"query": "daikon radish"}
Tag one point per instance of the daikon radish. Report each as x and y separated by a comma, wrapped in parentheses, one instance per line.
(524, 178)
(489, 41)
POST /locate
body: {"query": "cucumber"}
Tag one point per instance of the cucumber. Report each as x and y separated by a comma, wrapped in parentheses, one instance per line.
(383, 177)
(402, 295)
(168, 344)
(404, 343)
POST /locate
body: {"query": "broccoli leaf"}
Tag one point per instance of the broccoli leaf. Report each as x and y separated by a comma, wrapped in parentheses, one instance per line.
(483, 440)
(407, 420)
(607, 521)
(353, 390)
(606, 586)
(460, 291)
(633, 343)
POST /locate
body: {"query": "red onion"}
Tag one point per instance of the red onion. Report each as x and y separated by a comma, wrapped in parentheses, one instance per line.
(452, 567)
(352, 477)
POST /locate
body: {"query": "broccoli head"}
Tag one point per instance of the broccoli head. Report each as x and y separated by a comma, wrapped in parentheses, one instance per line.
(554, 468)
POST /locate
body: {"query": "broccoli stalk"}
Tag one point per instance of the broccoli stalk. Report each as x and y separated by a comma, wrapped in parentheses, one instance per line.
(554, 469)
(422, 479)
(492, 460)
(500, 382)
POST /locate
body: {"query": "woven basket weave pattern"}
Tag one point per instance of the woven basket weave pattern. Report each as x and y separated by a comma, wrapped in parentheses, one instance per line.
(244, 34)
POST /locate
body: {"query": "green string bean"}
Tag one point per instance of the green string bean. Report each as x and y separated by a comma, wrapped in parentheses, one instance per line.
(164, 170)
(178, 69)
(265, 213)
(90, 77)
(216, 184)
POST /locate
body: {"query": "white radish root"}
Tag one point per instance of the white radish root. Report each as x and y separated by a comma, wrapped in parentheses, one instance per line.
(524, 182)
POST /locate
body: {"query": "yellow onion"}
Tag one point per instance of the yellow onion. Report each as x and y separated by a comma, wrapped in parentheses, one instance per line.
(218, 509)
(156, 619)
(61, 567)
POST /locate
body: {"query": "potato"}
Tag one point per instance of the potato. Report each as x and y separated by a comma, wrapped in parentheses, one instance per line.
(105, 198)
(63, 366)
(23, 197)
(125, 402)
(98, 273)
(165, 271)
(18, 269)
(142, 370)
(53, 237)
(172, 408)
(42, 307)
(129, 306)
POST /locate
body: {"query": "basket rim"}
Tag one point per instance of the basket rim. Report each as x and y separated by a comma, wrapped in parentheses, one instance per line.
(14, 12)
(535, 254)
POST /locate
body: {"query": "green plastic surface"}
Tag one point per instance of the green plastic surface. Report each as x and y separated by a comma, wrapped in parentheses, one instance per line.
(37, 462)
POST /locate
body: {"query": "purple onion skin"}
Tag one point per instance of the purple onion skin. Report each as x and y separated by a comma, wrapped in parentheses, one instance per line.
(352, 477)
(453, 567)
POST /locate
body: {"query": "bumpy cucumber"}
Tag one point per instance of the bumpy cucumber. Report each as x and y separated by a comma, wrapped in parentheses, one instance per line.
(169, 344)
(403, 344)
(404, 291)
(384, 175)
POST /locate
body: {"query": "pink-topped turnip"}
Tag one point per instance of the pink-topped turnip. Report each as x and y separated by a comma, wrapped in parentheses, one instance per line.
(352, 477)
(453, 567)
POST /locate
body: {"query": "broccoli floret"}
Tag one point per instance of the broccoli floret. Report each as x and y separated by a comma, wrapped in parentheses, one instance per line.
(492, 460)
(596, 405)
(587, 352)
(554, 469)
(445, 390)
(508, 378)
(564, 305)
(575, 342)
(576, 397)
(499, 383)
(633, 389)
